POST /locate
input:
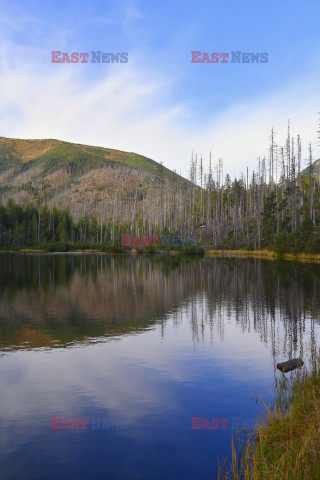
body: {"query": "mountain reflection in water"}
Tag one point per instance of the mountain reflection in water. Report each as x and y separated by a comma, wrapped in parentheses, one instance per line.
(145, 342)
(59, 300)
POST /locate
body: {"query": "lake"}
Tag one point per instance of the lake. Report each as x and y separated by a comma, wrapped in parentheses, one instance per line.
(135, 354)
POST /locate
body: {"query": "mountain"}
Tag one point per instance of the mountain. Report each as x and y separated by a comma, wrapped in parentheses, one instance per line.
(89, 180)
(315, 170)
(73, 157)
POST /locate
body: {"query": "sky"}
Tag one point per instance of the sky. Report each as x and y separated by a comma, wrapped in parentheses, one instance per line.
(159, 103)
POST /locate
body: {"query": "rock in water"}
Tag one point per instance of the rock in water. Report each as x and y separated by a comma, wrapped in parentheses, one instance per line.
(285, 367)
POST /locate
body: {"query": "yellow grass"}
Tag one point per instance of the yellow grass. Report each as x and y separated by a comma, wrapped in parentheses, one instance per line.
(287, 446)
(266, 254)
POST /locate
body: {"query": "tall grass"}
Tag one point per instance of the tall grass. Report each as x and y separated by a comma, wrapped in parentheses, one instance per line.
(287, 445)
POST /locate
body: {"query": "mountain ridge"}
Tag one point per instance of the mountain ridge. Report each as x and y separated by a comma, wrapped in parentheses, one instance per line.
(19, 149)
(84, 178)
(315, 170)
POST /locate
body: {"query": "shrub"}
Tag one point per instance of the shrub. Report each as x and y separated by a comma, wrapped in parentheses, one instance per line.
(314, 244)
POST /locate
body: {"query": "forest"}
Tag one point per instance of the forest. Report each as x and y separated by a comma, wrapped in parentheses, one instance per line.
(275, 207)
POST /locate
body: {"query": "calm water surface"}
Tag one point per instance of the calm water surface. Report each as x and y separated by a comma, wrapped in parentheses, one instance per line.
(137, 347)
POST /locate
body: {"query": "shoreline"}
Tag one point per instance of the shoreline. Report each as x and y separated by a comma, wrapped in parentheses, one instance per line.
(265, 254)
(284, 442)
(208, 253)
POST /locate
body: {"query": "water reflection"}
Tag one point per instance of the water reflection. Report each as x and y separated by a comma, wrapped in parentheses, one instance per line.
(146, 342)
(57, 300)
(54, 300)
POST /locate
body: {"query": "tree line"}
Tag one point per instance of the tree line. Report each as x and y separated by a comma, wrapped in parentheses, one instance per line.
(276, 206)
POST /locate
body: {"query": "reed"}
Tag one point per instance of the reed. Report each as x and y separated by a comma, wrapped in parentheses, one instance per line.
(286, 445)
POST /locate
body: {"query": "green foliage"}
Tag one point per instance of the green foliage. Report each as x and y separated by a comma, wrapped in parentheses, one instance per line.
(269, 219)
(303, 234)
(112, 249)
(150, 249)
(68, 247)
(57, 247)
(303, 240)
(283, 243)
(8, 158)
(67, 157)
(186, 250)
(313, 244)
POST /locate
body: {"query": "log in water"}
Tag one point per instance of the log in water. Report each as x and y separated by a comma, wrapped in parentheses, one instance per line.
(285, 367)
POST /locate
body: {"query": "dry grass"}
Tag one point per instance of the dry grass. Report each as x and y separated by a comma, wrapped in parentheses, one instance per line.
(28, 149)
(287, 447)
(266, 254)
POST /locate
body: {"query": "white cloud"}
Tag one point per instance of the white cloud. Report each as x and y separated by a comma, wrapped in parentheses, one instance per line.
(123, 110)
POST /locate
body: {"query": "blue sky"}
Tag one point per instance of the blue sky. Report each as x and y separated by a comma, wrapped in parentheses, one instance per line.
(160, 104)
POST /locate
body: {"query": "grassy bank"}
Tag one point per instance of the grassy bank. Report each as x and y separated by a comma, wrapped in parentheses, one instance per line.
(172, 251)
(266, 254)
(66, 247)
(287, 445)
(95, 247)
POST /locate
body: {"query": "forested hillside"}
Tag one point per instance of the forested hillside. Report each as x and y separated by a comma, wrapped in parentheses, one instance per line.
(91, 182)
(53, 191)
(314, 170)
